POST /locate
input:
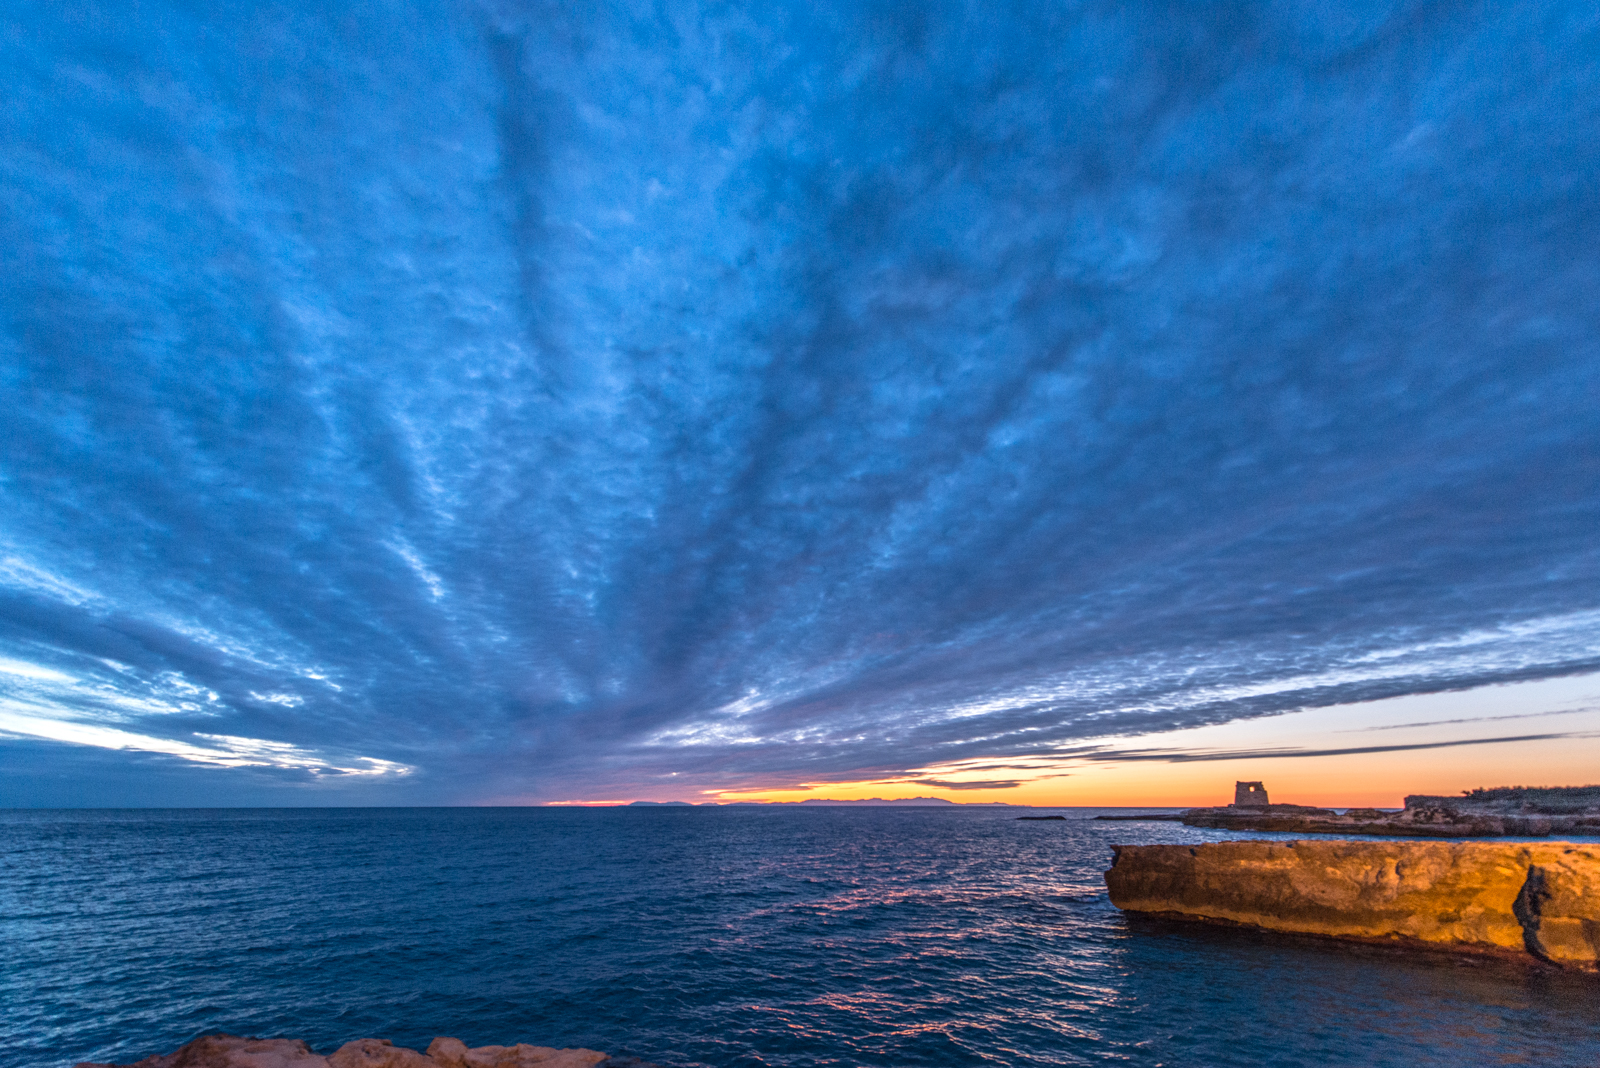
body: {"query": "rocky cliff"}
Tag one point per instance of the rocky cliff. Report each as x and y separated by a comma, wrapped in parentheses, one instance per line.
(231, 1051)
(1528, 901)
(1516, 811)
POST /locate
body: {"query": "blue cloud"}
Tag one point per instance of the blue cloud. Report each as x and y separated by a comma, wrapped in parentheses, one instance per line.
(462, 400)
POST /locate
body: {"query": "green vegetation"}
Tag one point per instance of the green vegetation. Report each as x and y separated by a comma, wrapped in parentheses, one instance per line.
(1549, 799)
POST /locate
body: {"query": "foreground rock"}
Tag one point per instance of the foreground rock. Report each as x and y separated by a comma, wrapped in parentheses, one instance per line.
(1514, 811)
(231, 1051)
(1524, 901)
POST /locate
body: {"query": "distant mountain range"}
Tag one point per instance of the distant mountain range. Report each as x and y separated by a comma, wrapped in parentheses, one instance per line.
(870, 801)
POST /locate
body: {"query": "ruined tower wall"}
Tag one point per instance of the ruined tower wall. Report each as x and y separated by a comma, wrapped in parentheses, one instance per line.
(1249, 795)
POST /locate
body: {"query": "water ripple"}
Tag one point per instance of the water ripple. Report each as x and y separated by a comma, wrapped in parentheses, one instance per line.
(709, 937)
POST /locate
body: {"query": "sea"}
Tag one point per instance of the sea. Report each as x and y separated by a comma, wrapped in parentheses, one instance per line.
(727, 937)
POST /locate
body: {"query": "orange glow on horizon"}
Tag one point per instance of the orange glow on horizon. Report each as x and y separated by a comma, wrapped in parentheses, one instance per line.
(1542, 733)
(1368, 781)
(1550, 731)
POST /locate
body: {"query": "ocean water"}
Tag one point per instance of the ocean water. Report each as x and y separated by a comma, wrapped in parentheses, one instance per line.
(729, 937)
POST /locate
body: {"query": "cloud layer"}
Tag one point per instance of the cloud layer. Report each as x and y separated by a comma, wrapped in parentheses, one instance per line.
(480, 400)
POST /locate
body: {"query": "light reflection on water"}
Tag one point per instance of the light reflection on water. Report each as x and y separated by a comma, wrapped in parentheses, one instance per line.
(718, 937)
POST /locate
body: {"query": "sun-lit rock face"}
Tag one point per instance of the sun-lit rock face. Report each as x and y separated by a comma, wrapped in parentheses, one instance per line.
(231, 1051)
(1540, 900)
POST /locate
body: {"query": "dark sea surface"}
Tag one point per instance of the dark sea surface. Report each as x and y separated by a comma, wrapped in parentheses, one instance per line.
(721, 937)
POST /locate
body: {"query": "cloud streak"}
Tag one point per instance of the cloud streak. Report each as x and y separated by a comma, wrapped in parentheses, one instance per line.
(569, 403)
(980, 784)
(1183, 756)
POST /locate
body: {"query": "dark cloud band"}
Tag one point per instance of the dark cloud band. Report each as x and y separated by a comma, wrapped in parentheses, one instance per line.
(1182, 756)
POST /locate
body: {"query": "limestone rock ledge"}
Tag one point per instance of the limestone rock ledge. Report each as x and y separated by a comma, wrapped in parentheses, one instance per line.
(231, 1051)
(1538, 900)
(1505, 811)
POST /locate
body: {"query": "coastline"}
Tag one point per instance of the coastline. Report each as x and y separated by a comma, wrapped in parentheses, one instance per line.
(695, 941)
(1530, 901)
(1502, 812)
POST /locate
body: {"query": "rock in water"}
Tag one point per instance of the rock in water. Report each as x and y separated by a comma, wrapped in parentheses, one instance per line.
(1519, 900)
(231, 1051)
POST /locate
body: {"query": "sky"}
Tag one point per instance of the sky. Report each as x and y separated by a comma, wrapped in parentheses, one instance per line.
(1092, 403)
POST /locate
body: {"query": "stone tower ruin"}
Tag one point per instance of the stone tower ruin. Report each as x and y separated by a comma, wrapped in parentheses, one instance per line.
(1249, 795)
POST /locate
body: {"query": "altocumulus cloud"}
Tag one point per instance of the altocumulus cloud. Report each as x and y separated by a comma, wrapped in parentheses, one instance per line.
(461, 400)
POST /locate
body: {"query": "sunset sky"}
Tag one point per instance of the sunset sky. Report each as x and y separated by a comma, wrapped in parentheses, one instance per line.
(1369, 754)
(1089, 403)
